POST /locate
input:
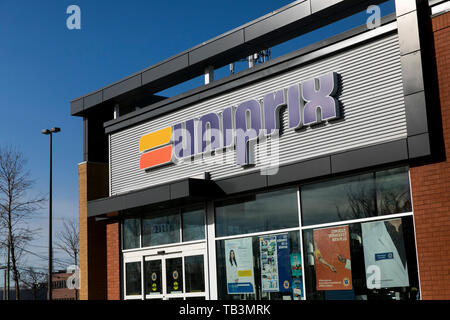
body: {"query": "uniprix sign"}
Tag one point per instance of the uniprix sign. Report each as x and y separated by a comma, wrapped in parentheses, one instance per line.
(240, 127)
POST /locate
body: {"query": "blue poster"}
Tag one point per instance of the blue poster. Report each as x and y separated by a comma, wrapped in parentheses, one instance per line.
(275, 263)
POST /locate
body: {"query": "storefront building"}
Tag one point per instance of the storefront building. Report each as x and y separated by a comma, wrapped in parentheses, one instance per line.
(321, 174)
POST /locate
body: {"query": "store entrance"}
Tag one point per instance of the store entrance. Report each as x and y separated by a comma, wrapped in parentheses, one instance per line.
(176, 275)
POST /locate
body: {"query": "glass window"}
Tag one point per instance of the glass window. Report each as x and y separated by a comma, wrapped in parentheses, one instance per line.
(161, 229)
(361, 261)
(356, 197)
(266, 267)
(133, 278)
(194, 272)
(131, 233)
(393, 193)
(256, 213)
(193, 225)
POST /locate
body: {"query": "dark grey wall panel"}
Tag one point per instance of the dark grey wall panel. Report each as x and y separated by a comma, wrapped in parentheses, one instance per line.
(408, 32)
(369, 156)
(76, 106)
(301, 171)
(179, 189)
(184, 192)
(147, 196)
(242, 183)
(419, 146)
(284, 17)
(101, 206)
(416, 113)
(412, 73)
(221, 45)
(122, 87)
(93, 99)
(165, 68)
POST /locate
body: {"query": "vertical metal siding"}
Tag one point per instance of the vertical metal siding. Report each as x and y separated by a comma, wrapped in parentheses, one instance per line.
(371, 99)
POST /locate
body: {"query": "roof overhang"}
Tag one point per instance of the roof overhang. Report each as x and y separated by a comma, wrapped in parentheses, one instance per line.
(286, 23)
(177, 193)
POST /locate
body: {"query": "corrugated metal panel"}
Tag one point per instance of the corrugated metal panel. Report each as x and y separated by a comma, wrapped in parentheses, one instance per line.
(371, 100)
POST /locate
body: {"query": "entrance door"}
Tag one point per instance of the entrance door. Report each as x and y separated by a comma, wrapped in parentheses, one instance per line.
(174, 276)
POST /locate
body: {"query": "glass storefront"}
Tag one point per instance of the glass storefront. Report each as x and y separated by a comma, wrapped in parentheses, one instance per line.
(258, 267)
(362, 261)
(345, 238)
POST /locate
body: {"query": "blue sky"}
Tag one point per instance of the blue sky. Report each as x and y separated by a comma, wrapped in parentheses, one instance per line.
(44, 66)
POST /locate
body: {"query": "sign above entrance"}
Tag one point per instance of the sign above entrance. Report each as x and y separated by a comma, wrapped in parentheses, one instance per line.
(308, 103)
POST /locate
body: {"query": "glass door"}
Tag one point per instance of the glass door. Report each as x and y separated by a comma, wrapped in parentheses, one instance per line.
(153, 278)
(175, 276)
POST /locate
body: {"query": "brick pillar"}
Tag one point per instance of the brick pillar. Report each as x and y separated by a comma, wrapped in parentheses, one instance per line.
(92, 184)
(113, 260)
(431, 186)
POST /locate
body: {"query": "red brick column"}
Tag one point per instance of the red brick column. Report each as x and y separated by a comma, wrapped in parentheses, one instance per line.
(113, 260)
(431, 187)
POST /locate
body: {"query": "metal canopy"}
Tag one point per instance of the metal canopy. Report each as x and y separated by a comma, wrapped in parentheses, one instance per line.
(167, 195)
(297, 18)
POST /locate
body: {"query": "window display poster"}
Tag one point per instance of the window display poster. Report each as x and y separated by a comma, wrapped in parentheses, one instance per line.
(332, 258)
(296, 265)
(297, 288)
(239, 266)
(275, 263)
(284, 265)
(269, 264)
(384, 251)
(296, 272)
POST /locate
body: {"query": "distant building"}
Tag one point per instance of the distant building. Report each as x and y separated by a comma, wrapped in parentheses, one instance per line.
(59, 287)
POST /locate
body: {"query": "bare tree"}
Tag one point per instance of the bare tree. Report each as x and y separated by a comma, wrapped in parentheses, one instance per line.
(68, 239)
(33, 280)
(68, 242)
(16, 207)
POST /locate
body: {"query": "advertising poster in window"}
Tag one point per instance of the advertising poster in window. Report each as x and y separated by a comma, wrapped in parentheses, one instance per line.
(284, 264)
(296, 265)
(275, 263)
(332, 258)
(297, 288)
(239, 266)
(296, 272)
(384, 254)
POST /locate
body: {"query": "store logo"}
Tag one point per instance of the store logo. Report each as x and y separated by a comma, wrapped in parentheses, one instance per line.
(157, 149)
(241, 127)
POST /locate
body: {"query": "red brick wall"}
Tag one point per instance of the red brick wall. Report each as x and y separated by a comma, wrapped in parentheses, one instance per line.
(431, 187)
(63, 293)
(113, 261)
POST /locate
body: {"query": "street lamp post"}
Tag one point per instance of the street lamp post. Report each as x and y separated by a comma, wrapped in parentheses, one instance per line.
(50, 245)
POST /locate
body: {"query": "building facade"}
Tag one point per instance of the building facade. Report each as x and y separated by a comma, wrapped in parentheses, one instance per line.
(60, 290)
(321, 174)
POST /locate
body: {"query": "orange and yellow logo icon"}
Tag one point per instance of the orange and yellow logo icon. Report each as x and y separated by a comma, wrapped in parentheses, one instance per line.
(157, 148)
